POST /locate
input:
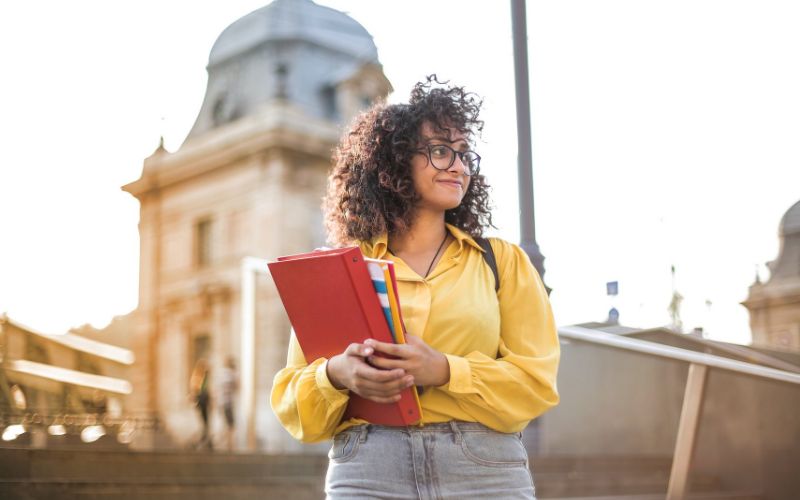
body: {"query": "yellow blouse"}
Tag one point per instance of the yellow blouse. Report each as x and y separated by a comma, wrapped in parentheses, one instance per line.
(502, 346)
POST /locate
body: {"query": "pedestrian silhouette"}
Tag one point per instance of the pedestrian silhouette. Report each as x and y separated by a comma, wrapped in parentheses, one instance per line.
(228, 387)
(199, 387)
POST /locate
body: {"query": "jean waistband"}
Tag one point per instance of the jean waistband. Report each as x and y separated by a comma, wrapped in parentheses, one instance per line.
(454, 427)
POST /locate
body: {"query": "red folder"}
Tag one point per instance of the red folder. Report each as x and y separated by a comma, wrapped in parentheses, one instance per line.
(331, 304)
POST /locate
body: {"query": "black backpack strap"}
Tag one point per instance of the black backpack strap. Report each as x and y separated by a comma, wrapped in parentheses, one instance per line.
(488, 256)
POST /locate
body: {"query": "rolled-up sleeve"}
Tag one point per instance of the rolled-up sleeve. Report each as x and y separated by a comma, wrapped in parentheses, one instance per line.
(303, 398)
(508, 391)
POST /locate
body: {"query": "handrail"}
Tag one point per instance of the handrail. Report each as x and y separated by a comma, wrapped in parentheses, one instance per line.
(64, 375)
(665, 351)
(78, 342)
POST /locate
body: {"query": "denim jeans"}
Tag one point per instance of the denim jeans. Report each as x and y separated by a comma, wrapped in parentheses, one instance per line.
(454, 460)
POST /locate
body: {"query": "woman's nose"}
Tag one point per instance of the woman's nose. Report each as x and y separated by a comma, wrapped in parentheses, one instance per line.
(458, 162)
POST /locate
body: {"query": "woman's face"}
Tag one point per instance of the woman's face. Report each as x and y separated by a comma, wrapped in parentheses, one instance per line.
(439, 190)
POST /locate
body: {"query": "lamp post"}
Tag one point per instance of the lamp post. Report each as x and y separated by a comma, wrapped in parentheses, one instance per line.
(525, 161)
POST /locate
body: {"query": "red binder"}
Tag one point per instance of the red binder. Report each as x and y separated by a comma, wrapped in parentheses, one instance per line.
(331, 304)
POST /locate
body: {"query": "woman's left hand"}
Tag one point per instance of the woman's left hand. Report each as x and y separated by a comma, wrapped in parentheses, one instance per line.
(428, 366)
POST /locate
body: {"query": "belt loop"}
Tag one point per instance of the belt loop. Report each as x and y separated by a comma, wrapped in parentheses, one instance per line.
(362, 434)
(456, 431)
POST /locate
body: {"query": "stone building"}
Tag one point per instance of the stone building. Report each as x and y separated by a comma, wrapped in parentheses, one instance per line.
(775, 305)
(52, 387)
(248, 181)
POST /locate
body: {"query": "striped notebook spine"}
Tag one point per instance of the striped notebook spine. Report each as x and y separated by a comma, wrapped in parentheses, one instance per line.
(379, 282)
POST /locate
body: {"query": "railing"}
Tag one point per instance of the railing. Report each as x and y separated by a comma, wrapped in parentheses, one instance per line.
(90, 426)
(699, 365)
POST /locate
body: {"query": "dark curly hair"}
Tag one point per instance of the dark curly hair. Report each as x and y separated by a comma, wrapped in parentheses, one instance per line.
(370, 189)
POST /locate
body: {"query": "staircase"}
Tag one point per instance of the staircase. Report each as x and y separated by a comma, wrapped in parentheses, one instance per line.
(121, 475)
(78, 474)
(618, 477)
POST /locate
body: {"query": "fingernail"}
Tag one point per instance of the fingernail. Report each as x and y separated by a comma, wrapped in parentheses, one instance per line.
(368, 351)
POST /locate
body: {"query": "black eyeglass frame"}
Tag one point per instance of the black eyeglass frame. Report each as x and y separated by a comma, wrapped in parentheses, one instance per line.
(469, 172)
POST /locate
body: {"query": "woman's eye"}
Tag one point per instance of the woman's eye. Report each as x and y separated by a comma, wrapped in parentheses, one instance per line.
(439, 151)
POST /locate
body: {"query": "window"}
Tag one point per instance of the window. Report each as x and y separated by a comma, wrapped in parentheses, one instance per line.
(223, 111)
(202, 241)
(35, 351)
(329, 103)
(366, 101)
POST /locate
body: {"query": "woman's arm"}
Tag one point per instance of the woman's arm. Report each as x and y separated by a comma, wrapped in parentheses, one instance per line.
(303, 398)
(520, 384)
(505, 392)
(309, 400)
(349, 370)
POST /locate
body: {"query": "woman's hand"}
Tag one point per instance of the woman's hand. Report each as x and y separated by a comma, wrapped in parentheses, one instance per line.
(428, 366)
(350, 370)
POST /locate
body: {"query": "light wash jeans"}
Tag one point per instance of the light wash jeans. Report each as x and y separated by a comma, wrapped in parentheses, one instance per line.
(454, 460)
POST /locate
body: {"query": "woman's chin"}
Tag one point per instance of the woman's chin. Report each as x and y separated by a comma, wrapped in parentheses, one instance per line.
(440, 204)
(449, 206)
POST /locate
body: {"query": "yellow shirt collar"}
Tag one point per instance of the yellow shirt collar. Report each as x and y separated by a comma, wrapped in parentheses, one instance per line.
(378, 247)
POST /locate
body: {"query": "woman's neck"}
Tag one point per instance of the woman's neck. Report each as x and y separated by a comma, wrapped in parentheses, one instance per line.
(426, 233)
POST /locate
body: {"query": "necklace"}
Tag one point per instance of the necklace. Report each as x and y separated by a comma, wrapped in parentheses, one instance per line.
(436, 255)
(430, 266)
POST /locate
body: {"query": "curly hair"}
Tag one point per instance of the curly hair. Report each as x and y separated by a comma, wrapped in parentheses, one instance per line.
(370, 189)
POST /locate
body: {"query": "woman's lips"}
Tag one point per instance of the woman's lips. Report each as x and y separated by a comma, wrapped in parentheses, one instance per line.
(452, 183)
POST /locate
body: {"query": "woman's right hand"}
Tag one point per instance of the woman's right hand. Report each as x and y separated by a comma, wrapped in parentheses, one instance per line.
(350, 370)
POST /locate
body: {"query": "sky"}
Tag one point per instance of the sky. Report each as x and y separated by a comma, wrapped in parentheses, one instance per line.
(664, 134)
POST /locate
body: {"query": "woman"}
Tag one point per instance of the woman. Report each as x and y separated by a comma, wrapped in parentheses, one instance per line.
(200, 395)
(405, 186)
(229, 385)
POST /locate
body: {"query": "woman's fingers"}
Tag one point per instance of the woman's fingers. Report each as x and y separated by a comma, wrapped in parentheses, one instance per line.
(389, 389)
(375, 382)
(367, 372)
(388, 381)
(381, 383)
(398, 350)
(386, 363)
(360, 350)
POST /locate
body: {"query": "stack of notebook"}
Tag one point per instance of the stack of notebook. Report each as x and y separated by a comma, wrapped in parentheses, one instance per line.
(338, 297)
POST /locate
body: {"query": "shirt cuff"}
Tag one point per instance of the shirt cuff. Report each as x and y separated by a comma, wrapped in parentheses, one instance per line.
(329, 392)
(460, 375)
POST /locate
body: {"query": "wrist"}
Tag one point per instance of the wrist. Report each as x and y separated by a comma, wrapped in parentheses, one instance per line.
(331, 370)
(444, 377)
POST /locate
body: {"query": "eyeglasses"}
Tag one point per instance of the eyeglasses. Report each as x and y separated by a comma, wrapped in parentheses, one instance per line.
(442, 157)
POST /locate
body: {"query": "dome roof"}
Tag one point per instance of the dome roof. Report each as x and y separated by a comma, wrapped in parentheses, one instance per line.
(294, 52)
(295, 20)
(790, 223)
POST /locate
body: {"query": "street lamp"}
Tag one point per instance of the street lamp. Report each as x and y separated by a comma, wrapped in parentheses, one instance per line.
(524, 150)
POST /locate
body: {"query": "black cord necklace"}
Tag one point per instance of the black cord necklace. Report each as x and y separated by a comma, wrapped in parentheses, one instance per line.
(434, 255)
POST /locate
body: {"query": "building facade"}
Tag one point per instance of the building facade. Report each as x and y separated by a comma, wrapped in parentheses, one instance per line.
(247, 182)
(53, 387)
(775, 305)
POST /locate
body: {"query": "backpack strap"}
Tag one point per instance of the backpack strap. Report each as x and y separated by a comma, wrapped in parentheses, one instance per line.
(488, 256)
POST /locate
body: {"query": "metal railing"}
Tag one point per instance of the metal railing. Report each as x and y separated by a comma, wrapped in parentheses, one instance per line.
(699, 365)
(90, 426)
